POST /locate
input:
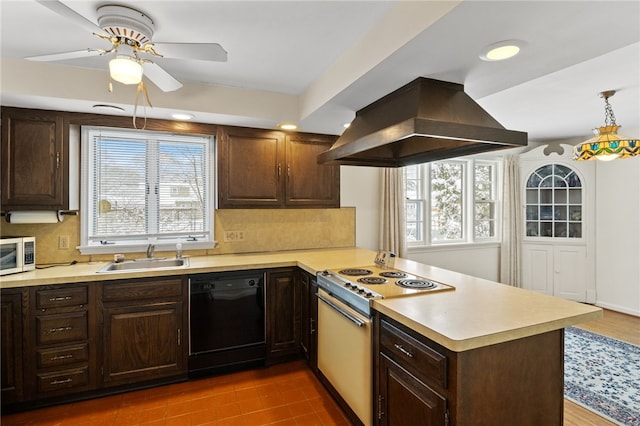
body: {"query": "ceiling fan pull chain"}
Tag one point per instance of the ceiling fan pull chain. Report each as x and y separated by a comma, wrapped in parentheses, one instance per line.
(141, 88)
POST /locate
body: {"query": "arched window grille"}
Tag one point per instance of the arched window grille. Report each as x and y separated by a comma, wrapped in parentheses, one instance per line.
(554, 203)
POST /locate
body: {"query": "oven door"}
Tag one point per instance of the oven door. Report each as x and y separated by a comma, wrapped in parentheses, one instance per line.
(344, 353)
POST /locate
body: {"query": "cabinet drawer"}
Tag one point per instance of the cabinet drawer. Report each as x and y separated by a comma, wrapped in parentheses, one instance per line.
(67, 379)
(118, 292)
(58, 298)
(419, 359)
(61, 328)
(59, 356)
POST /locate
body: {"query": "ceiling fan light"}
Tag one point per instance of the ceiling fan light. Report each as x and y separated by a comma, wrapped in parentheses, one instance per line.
(125, 70)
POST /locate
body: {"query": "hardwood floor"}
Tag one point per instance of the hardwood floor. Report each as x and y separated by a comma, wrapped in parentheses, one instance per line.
(285, 394)
(613, 324)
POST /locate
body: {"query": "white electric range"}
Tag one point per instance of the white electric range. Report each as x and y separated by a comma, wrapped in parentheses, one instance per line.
(357, 286)
(345, 326)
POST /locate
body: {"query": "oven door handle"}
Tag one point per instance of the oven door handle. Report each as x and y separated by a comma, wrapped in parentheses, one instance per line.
(341, 311)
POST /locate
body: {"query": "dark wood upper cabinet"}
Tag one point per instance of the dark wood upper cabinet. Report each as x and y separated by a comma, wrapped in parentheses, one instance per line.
(249, 167)
(35, 158)
(271, 169)
(307, 182)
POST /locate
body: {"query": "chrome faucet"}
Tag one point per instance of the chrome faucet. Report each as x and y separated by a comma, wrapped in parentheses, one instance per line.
(150, 249)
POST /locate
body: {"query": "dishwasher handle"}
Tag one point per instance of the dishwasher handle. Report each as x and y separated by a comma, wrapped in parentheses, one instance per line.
(341, 311)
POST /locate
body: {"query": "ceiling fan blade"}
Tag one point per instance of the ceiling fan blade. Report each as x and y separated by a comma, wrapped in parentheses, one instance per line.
(198, 51)
(160, 77)
(66, 12)
(66, 55)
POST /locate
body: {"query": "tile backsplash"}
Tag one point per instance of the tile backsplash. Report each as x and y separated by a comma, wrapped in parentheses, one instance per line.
(236, 231)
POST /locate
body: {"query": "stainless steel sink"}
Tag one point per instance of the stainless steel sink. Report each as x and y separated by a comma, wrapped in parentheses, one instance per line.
(144, 264)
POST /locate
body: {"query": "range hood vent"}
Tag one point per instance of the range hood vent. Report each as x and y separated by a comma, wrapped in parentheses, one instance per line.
(425, 120)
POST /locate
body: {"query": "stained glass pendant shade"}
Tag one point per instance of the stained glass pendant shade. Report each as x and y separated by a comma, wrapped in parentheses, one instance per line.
(607, 144)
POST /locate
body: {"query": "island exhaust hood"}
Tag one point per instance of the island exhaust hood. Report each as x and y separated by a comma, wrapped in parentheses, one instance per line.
(425, 120)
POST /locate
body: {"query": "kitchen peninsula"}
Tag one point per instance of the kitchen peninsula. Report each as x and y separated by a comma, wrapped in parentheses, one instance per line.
(476, 328)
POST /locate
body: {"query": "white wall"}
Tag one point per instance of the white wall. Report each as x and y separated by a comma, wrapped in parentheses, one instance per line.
(618, 235)
(360, 188)
(477, 260)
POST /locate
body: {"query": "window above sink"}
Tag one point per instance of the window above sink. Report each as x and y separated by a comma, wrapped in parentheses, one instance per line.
(145, 187)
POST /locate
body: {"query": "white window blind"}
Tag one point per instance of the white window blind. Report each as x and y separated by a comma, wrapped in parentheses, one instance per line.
(146, 187)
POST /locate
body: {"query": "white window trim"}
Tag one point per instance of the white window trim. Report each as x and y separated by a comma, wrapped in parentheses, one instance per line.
(138, 246)
(469, 239)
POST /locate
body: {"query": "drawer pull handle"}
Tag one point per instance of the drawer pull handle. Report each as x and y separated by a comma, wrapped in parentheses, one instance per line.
(56, 330)
(403, 350)
(60, 299)
(62, 382)
(59, 357)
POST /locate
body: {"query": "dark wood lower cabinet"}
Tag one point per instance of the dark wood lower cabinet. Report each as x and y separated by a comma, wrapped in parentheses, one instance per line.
(417, 381)
(62, 338)
(403, 398)
(142, 343)
(307, 288)
(144, 327)
(283, 315)
(11, 345)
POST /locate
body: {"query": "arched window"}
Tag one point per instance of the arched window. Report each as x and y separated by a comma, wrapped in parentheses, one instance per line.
(554, 203)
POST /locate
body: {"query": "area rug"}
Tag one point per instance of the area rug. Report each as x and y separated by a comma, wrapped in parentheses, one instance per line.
(603, 375)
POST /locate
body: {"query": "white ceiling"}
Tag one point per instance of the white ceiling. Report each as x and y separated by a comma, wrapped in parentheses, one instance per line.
(317, 62)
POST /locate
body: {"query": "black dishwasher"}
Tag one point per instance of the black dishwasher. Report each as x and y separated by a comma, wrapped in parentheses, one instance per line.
(226, 321)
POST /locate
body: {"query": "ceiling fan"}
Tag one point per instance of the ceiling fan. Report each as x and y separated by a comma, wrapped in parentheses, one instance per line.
(130, 33)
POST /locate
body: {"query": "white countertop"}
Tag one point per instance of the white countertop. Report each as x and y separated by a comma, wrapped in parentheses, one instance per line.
(477, 313)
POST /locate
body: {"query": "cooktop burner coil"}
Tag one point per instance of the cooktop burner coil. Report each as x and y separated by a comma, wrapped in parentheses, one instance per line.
(418, 284)
(356, 272)
(372, 280)
(393, 274)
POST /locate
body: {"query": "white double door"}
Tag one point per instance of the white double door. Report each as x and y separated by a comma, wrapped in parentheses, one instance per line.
(556, 270)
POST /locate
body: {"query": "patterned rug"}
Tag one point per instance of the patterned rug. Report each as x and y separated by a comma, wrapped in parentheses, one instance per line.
(603, 375)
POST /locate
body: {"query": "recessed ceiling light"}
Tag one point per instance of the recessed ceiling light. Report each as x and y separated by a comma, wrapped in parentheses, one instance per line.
(182, 116)
(287, 126)
(346, 125)
(502, 50)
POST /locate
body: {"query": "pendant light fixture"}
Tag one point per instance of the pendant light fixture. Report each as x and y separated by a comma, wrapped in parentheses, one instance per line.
(607, 144)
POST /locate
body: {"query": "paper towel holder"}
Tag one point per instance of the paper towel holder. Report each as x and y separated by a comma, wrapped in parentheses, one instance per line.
(59, 214)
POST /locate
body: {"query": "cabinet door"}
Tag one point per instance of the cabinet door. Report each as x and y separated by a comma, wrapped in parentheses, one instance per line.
(537, 268)
(569, 272)
(307, 182)
(403, 398)
(11, 349)
(34, 160)
(283, 314)
(306, 289)
(555, 270)
(303, 296)
(142, 343)
(250, 168)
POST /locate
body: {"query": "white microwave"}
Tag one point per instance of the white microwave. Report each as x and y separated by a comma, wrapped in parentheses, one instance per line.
(17, 254)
